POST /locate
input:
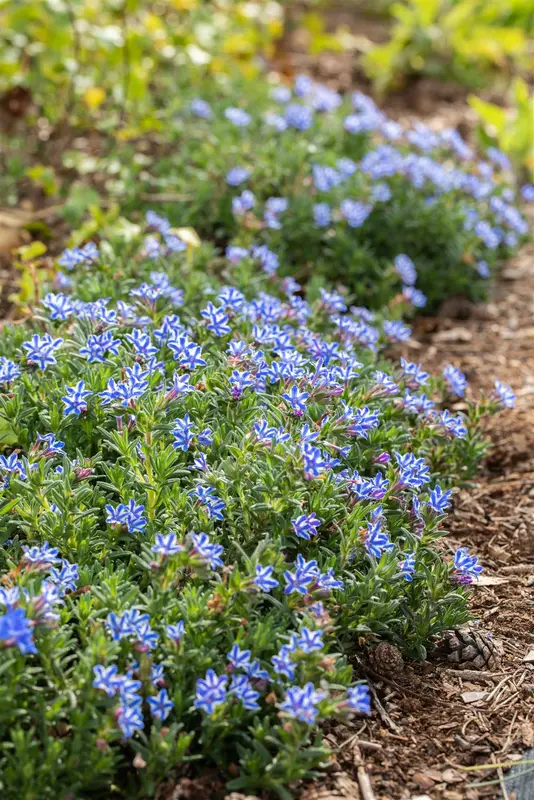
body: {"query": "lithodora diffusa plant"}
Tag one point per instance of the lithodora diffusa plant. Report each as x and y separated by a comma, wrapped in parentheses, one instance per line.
(332, 185)
(210, 496)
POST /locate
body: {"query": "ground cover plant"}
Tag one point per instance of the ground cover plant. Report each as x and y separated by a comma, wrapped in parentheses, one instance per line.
(214, 493)
(329, 183)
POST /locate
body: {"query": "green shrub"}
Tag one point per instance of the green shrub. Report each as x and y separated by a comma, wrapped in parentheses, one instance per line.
(351, 190)
(250, 487)
(467, 41)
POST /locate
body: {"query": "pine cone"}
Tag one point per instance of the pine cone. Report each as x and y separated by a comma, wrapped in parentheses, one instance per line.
(386, 660)
(468, 649)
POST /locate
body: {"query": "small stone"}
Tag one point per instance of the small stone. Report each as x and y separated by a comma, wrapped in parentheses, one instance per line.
(422, 780)
(451, 776)
(473, 697)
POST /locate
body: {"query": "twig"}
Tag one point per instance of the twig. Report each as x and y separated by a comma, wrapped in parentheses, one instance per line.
(365, 745)
(500, 775)
(471, 674)
(363, 778)
(507, 742)
(520, 569)
(384, 716)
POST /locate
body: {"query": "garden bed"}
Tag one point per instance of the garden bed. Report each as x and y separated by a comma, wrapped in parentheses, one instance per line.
(430, 734)
(432, 726)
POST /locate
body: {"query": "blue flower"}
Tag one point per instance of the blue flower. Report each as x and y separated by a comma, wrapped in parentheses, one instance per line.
(9, 371)
(12, 465)
(201, 109)
(130, 720)
(413, 374)
(210, 691)
(439, 500)
(396, 331)
(299, 116)
(75, 399)
(213, 504)
(306, 526)
(156, 674)
(15, 629)
(264, 579)
(237, 117)
(414, 296)
(302, 703)
(332, 301)
(166, 544)
(236, 254)
(59, 305)
(130, 515)
(310, 641)
(238, 658)
(176, 631)
(414, 472)
(65, 578)
(160, 705)
(41, 555)
(281, 94)
(456, 381)
(466, 565)
(240, 381)
(325, 178)
(504, 395)
(455, 425)
(142, 343)
(243, 203)
(381, 193)
(296, 400)
(359, 698)
(362, 421)
(314, 460)
(303, 85)
(268, 260)
(183, 433)
(97, 346)
(377, 541)
(407, 567)
(241, 687)
(105, 679)
(355, 212)
(72, 258)
(211, 552)
(322, 215)
(217, 320)
(236, 176)
(40, 350)
(255, 671)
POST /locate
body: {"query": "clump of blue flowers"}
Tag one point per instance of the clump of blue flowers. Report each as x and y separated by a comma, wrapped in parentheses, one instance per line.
(211, 492)
(334, 187)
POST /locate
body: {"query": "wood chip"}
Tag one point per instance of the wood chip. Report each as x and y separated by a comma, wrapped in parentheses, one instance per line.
(473, 697)
(529, 656)
(489, 580)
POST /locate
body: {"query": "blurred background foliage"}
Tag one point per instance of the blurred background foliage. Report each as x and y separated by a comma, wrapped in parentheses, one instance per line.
(115, 68)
